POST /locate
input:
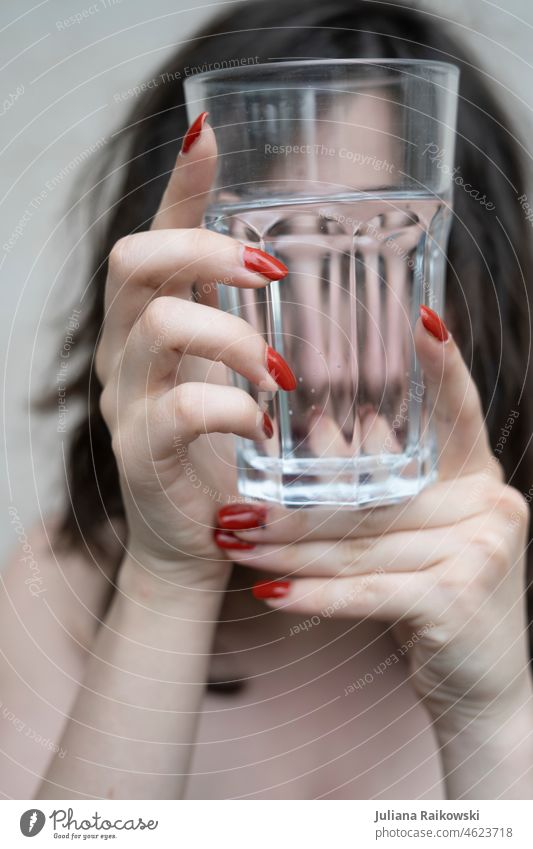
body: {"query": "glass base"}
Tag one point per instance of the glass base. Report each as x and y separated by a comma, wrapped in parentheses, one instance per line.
(354, 484)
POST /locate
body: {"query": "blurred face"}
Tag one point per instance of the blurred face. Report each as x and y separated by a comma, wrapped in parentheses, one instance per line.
(346, 311)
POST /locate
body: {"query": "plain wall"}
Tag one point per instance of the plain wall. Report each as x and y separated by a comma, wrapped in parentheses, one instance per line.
(58, 104)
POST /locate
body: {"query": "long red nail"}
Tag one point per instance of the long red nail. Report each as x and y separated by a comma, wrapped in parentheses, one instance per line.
(193, 132)
(225, 539)
(433, 323)
(241, 517)
(271, 589)
(280, 370)
(257, 260)
(268, 427)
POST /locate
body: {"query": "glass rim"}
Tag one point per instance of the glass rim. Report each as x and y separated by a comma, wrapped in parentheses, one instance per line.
(449, 68)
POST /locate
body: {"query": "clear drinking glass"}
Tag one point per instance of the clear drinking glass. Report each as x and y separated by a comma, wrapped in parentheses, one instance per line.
(342, 170)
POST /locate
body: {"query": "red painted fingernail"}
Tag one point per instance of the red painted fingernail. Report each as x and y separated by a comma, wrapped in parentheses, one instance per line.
(268, 427)
(241, 517)
(225, 539)
(433, 323)
(257, 260)
(271, 589)
(193, 132)
(280, 370)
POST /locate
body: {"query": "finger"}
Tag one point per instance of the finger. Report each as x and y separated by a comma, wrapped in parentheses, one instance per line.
(182, 206)
(169, 328)
(144, 265)
(404, 551)
(378, 595)
(187, 191)
(169, 423)
(456, 406)
(439, 505)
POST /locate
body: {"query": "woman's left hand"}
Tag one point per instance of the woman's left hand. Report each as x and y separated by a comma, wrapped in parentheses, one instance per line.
(446, 569)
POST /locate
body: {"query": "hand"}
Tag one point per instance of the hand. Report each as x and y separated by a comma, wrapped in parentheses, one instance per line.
(161, 361)
(446, 569)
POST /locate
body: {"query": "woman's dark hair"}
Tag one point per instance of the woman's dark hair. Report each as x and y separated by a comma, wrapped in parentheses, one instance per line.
(490, 269)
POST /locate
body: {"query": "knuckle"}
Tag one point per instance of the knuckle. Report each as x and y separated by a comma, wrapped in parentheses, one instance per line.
(121, 256)
(515, 505)
(451, 580)
(154, 319)
(490, 547)
(509, 502)
(187, 403)
(491, 493)
(461, 595)
(106, 404)
(461, 589)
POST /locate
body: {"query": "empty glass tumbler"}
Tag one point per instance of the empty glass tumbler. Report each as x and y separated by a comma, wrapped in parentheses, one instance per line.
(342, 170)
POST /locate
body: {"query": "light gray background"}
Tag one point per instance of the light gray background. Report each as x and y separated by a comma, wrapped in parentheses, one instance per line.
(66, 79)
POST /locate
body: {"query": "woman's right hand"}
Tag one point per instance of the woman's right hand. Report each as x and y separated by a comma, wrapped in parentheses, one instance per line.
(162, 361)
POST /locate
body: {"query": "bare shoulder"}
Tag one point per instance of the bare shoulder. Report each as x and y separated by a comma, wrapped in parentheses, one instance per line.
(41, 581)
(52, 603)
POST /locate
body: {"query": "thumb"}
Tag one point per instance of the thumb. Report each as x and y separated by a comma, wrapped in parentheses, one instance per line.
(455, 406)
(186, 195)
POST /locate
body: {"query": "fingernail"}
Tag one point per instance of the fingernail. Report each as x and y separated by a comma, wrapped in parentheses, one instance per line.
(257, 260)
(241, 517)
(193, 132)
(271, 589)
(225, 539)
(268, 427)
(280, 370)
(433, 323)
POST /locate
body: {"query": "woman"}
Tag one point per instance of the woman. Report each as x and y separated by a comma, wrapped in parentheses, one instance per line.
(381, 654)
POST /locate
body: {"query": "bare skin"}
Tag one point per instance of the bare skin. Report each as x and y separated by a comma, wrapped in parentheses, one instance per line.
(318, 741)
(132, 715)
(46, 640)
